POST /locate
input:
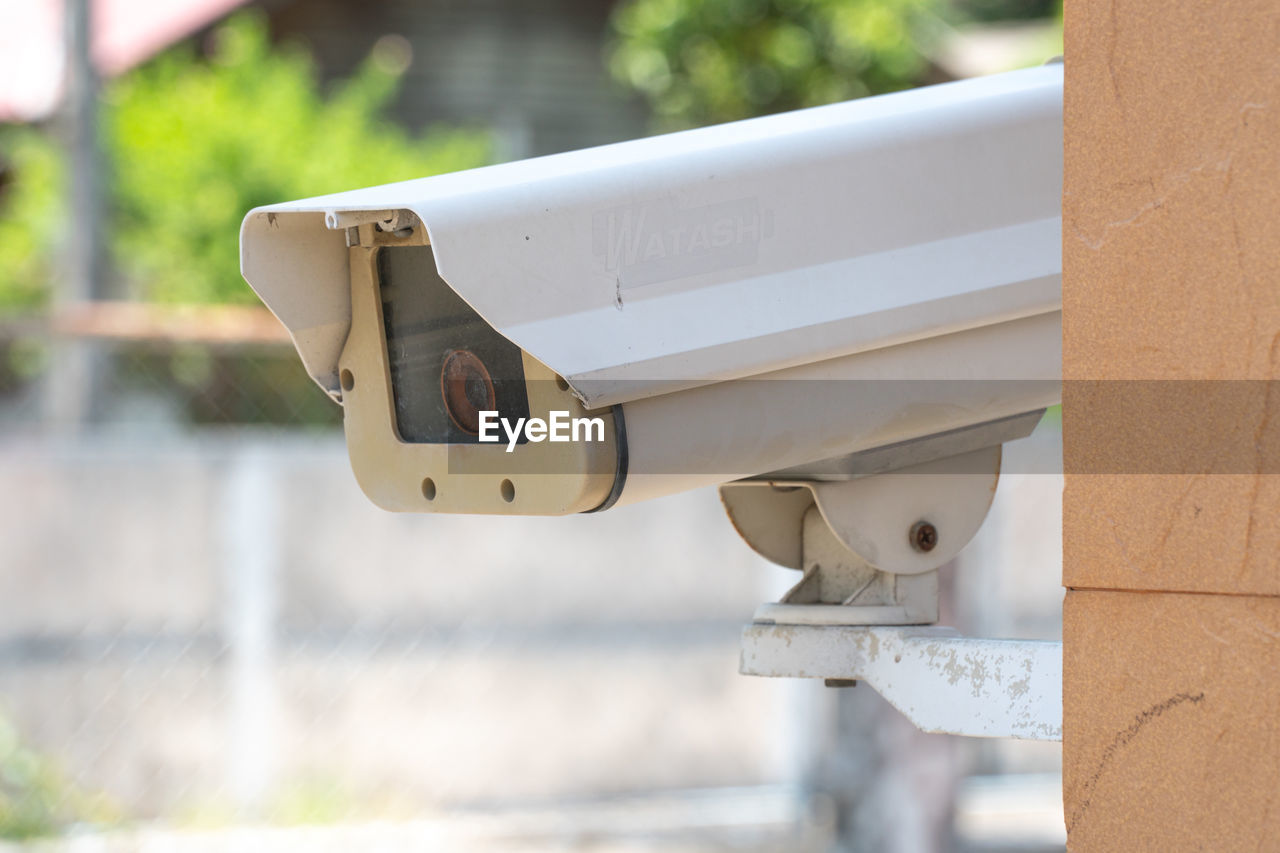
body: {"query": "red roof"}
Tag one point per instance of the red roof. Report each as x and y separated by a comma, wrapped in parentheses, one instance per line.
(125, 33)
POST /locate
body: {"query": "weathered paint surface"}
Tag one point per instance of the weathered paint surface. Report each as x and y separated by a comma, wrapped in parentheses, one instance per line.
(943, 682)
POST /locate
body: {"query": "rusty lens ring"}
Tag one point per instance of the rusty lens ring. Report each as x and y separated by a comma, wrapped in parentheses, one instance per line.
(463, 381)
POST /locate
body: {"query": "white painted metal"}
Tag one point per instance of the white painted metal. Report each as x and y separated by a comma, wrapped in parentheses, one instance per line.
(858, 615)
(768, 510)
(943, 682)
(872, 515)
(677, 261)
(731, 430)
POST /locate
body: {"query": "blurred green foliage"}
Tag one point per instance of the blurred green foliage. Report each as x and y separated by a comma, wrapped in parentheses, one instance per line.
(35, 799)
(31, 192)
(705, 61)
(195, 145)
(191, 144)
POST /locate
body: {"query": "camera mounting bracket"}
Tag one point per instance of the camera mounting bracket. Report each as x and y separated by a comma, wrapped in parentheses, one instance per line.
(870, 530)
(869, 533)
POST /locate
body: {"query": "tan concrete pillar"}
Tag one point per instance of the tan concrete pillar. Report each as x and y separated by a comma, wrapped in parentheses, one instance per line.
(1171, 516)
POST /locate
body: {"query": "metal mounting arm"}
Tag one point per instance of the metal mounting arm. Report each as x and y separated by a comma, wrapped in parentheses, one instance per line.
(869, 533)
(943, 682)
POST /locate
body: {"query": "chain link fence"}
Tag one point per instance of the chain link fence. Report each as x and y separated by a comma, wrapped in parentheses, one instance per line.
(205, 630)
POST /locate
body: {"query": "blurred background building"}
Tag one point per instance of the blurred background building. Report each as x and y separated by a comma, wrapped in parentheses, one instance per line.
(209, 638)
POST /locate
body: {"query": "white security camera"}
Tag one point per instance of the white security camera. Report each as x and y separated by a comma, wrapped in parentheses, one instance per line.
(840, 314)
(765, 301)
(715, 302)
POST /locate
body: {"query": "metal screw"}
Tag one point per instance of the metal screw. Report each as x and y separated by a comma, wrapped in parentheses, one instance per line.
(924, 536)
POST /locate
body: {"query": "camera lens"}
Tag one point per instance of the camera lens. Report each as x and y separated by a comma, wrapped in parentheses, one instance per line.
(467, 389)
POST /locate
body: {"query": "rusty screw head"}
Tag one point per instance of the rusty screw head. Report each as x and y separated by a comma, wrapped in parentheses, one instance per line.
(924, 536)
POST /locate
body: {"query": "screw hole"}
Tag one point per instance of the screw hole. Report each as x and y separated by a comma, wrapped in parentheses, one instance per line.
(508, 490)
(348, 380)
(429, 489)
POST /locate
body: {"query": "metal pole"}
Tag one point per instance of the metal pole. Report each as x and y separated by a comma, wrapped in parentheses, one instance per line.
(251, 568)
(72, 381)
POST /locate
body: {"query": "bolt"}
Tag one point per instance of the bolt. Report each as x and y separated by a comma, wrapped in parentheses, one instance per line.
(924, 536)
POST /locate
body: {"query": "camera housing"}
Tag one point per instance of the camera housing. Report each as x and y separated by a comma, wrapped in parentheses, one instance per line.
(839, 315)
(419, 369)
(761, 298)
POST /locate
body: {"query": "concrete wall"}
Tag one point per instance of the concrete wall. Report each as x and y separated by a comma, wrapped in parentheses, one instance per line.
(1171, 517)
(223, 622)
(192, 621)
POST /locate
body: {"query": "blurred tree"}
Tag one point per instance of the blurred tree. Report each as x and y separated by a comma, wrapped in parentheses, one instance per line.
(706, 61)
(31, 195)
(192, 145)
